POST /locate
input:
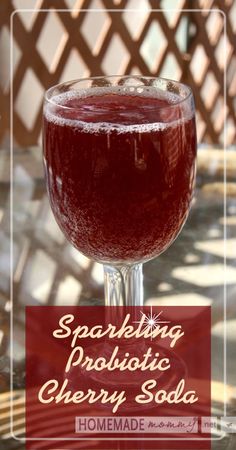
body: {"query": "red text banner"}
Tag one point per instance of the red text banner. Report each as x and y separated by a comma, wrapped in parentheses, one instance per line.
(117, 377)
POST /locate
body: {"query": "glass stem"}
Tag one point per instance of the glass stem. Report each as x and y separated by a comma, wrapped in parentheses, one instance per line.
(123, 285)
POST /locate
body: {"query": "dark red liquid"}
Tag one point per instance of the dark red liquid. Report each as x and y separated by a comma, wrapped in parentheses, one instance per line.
(119, 193)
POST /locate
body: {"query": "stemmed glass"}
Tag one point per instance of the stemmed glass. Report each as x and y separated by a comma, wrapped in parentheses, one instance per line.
(119, 158)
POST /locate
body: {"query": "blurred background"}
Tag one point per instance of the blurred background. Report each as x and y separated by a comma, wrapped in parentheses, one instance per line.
(118, 36)
(186, 40)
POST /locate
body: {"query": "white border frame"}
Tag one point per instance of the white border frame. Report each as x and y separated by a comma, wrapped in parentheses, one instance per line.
(23, 439)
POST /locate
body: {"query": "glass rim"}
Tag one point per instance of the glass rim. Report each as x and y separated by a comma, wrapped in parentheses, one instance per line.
(119, 77)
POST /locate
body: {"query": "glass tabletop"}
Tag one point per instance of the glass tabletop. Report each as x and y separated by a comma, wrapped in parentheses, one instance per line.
(48, 271)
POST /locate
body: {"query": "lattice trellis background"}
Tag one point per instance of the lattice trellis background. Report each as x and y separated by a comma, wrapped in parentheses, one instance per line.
(117, 36)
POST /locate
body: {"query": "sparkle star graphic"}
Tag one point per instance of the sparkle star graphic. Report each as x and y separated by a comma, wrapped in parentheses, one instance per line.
(151, 320)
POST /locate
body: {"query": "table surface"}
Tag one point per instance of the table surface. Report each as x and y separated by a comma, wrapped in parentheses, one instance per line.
(47, 270)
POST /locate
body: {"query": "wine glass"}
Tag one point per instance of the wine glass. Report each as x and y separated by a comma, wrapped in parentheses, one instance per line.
(119, 158)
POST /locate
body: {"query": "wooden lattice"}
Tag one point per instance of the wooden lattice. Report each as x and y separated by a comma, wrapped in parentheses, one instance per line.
(125, 36)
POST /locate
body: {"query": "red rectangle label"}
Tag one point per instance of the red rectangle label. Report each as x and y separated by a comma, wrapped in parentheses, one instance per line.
(117, 377)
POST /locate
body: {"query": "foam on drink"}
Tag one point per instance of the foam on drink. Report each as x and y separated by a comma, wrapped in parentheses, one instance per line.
(62, 105)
